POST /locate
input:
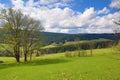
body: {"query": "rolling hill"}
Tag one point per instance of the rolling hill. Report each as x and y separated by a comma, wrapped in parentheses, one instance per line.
(50, 37)
(61, 37)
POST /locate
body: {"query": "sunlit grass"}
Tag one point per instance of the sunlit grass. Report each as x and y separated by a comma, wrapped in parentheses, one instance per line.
(103, 65)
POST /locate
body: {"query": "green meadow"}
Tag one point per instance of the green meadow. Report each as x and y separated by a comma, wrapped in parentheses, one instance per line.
(103, 65)
(59, 40)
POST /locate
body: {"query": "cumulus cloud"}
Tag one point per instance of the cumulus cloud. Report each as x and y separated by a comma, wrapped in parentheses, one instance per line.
(115, 4)
(18, 3)
(2, 6)
(48, 1)
(104, 11)
(65, 20)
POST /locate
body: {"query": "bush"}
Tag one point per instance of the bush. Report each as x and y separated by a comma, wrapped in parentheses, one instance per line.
(68, 54)
(83, 53)
(76, 54)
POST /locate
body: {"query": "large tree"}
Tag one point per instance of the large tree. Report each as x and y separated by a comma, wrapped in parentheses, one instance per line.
(30, 36)
(11, 26)
(20, 32)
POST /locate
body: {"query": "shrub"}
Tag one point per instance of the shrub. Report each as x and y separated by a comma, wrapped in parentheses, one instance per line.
(76, 54)
(68, 54)
(83, 53)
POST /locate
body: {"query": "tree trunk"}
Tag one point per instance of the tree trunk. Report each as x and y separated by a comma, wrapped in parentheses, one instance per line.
(91, 51)
(17, 53)
(30, 56)
(17, 57)
(25, 57)
(79, 53)
(37, 53)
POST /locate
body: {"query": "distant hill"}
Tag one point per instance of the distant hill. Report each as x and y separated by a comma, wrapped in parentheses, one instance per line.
(61, 37)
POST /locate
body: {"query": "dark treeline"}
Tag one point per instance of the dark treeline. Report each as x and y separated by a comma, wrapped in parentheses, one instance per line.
(61, 37)
(83, 46)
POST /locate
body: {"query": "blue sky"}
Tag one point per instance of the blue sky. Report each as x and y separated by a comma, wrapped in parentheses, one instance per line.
(78, 5)
(69, 16)
(97, 4)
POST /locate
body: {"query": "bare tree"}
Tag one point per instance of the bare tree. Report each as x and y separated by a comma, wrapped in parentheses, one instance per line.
(77, 44)
(30, 38)
(91, 45)
(12, 22)
(117, 21)
(117, 30)
(21, 32)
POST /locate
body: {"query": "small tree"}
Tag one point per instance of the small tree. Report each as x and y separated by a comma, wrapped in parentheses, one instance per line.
(117, 30)
(30, 38)
(91, 46)
(117, 22)
(77, 44)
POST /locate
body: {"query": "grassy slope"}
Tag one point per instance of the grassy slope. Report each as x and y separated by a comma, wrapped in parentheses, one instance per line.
(73, 42)
(102, 66)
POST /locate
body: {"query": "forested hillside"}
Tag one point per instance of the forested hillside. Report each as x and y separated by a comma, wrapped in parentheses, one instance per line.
(60, 37)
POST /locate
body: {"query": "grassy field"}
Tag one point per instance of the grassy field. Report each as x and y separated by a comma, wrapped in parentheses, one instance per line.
(103, 65)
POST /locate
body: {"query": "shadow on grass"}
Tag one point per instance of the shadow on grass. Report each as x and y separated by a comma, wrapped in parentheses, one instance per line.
(34, 63)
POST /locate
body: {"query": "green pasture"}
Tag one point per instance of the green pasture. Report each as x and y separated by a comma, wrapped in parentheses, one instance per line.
(103, 65)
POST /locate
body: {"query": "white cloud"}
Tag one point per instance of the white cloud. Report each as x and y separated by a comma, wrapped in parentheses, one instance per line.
(66, 20)
(18, 3)
(48, 1)
(115, 4)
(89, 13)
(104, 11)
(31, 3)
(67, 1)
(2, 6)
